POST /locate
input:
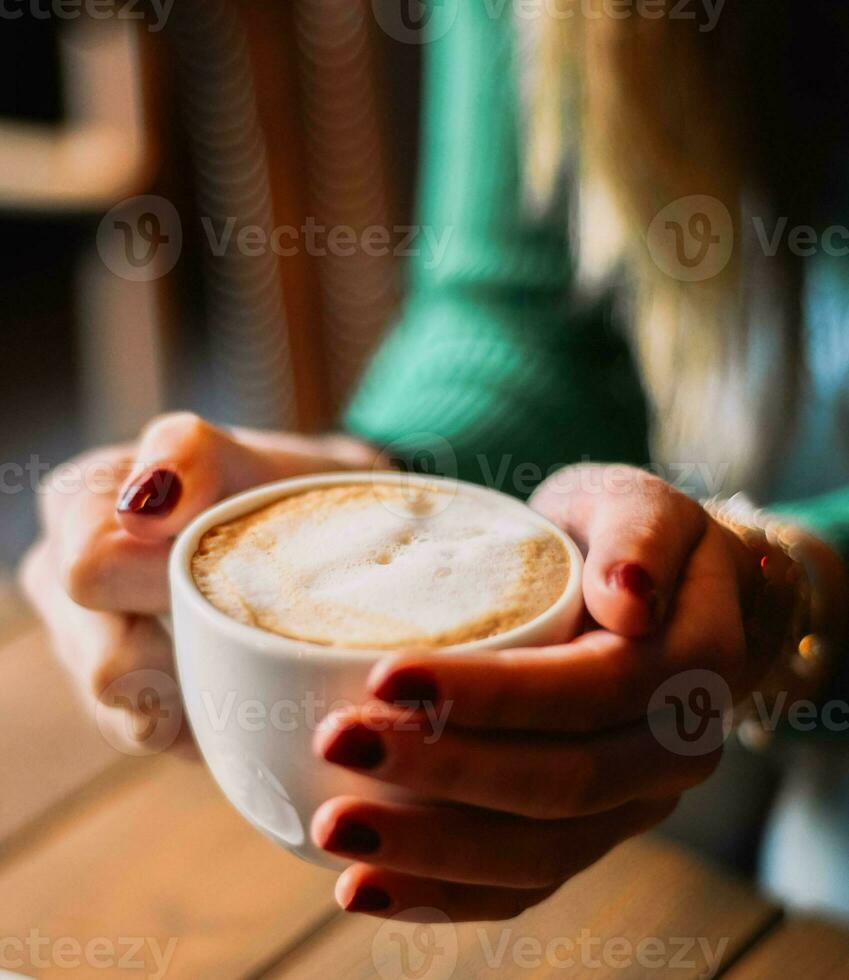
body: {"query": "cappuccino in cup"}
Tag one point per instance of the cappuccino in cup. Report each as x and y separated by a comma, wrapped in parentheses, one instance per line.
(381, 566)
(285, 597)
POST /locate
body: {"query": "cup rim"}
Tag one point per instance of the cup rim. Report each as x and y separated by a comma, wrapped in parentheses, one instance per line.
(184, 589)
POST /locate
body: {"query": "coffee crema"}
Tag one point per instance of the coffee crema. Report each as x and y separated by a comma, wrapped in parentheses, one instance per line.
(380, 566)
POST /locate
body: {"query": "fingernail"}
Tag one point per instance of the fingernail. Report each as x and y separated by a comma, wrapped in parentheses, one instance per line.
(634, 579)
(408, 686)
(368, 898)
(154, 495)
(351, 837)
(357, 747)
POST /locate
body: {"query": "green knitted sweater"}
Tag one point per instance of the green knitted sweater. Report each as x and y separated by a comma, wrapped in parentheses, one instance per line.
(498, 370)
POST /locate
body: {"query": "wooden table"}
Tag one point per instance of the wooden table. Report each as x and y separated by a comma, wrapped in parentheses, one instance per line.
(119, 866)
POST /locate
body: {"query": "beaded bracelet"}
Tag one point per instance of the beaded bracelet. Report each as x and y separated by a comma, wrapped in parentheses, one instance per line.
(802, 651)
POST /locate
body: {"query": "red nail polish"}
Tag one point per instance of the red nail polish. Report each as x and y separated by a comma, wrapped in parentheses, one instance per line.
(154, 495)
(368, 898)
(409, 687)
(357, 747)
(634, 579)
(350, 837)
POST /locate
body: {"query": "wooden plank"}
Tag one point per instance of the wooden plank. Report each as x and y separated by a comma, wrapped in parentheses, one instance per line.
(163, 864)
(808, 948)
(50, 746)
(648, 909)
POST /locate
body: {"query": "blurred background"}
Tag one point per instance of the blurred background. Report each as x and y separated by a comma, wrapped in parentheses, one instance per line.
(178, 199)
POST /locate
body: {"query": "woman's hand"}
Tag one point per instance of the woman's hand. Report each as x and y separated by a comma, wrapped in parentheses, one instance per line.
(548, 758)
(98, 573)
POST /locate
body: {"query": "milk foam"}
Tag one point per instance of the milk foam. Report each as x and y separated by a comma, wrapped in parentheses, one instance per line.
(382, 566)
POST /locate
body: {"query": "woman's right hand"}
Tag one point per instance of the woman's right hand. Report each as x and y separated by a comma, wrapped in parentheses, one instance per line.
(98, 573)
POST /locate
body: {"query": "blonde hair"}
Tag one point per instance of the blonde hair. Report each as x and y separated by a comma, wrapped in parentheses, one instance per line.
(645, 117)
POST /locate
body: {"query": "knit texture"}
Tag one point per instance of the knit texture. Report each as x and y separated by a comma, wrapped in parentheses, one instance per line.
(495, 370)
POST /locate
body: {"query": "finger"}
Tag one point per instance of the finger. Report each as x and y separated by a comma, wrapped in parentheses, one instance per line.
(183, 464)
(545, 778)
(706, 628)
(111, 659)
(600, 681)
(638, 532)
(101, 472)
(105, 568)
(389, 894)
(96, 648)
(465, 844)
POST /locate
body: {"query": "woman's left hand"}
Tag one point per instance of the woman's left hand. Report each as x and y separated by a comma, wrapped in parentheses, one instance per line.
(539, 761)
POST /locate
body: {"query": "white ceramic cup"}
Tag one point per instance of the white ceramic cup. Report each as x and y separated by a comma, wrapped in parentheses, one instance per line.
(254, 699)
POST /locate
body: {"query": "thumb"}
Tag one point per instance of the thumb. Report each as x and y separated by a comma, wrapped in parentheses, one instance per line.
(637, 533)
(184, 464)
